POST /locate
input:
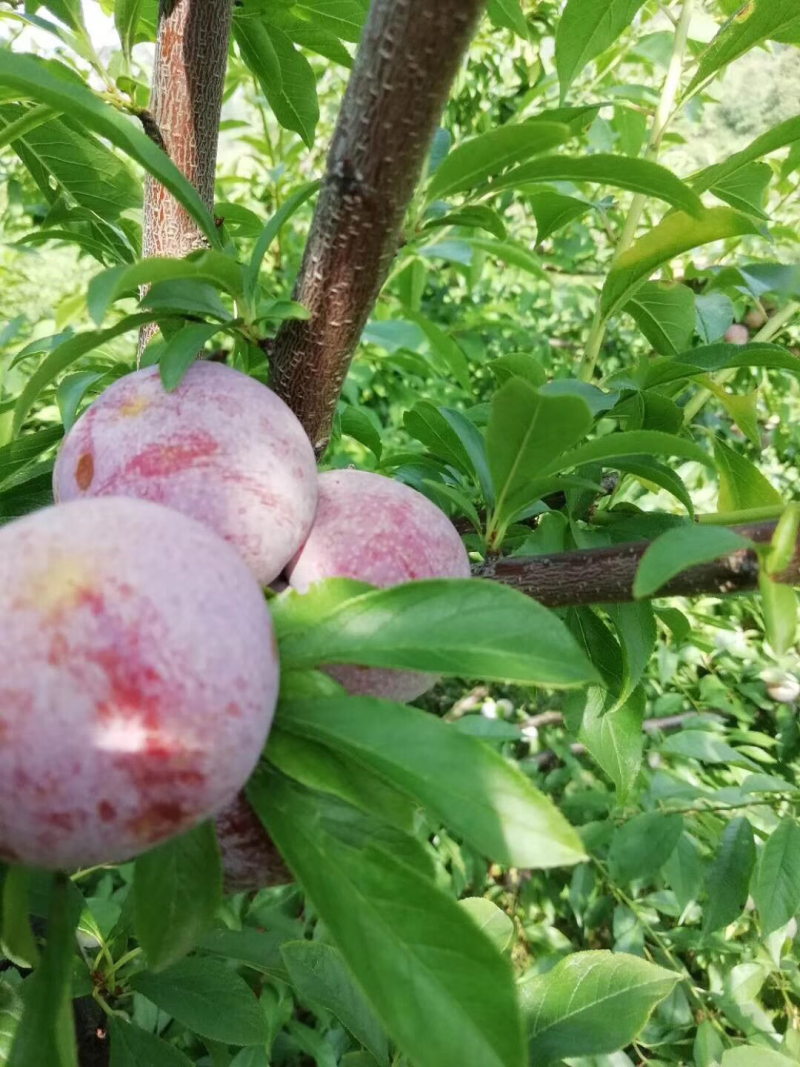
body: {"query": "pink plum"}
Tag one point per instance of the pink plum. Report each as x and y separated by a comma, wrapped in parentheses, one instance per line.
(738, 334)
(376, 530)
(139, 681)
(221, 448)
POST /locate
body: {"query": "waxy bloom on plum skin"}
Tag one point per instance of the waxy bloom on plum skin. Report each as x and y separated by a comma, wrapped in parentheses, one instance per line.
(221, 448)
(139, 683)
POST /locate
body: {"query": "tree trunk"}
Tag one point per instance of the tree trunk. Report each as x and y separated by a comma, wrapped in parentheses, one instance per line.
(188, 80)
(409, 56)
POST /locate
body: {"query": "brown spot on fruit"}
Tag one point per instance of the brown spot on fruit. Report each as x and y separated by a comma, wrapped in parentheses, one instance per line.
(106, 811)
(84, 471)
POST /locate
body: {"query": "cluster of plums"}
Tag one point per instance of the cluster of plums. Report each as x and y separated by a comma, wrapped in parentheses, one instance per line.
(140, 665)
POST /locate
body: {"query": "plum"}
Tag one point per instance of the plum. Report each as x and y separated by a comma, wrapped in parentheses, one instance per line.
(738, 334)
(379, 531)
(139, 681)
(221, 448)
(250, 860)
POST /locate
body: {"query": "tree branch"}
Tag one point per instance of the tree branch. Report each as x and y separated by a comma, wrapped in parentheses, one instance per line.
(409, 55)
(606, 575)
(188, 80)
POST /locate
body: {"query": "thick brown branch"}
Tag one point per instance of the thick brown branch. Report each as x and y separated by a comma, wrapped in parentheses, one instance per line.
(409, 56)
(188, 80)
(605, 575)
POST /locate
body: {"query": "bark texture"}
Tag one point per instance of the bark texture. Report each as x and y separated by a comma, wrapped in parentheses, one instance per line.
(409, 56)
(606, 575)
(188, 80)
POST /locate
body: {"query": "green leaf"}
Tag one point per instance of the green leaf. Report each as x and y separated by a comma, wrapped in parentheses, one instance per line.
(779, 605)
(629, 443)
(425, 423)
(345, 18)
(465, 783)
(270, 232)
(473, 216)
(509, 252)
(79, 163)
(508, 14)
(70, 392)
(705, 746)
(642, 845)
(28, 120)
(719, 357)
(16, 937)
(290, 86)
(209, 998)
(674, 235)
(613, 736)
(131, 1046)
(33, 79)
(126, 19)
(178, 891)
(587, 28)
(320, 975)
(518, 365)
(784, 540)
(212, 267)
(665, 313)
(10, 1015)
(684, 870)
(461, 627)
(40, 1037)
(777, 885)
(728, 880)
(181, 350)
(494, 922)
(759, 20)
(249, 946)
(636, 175)
(779, 136)
(64, 355)
(755, 1056)
(741, 484)
(476, 160)
(746, 189)
(475, 446)
(17, 455)
(527, 432)
(636, 628)
(715, 313)
(426, 958)
(680, 548)
(183, 297)
(357, 424)
(68, 11)
(591, 1003)
(553, 211)
(444, 347)
(317, 766)
(651, 472)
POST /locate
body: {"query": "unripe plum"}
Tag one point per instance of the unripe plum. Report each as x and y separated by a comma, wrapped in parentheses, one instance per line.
(738, 334)
(221, 448)
(376, 530)
(139, 680)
